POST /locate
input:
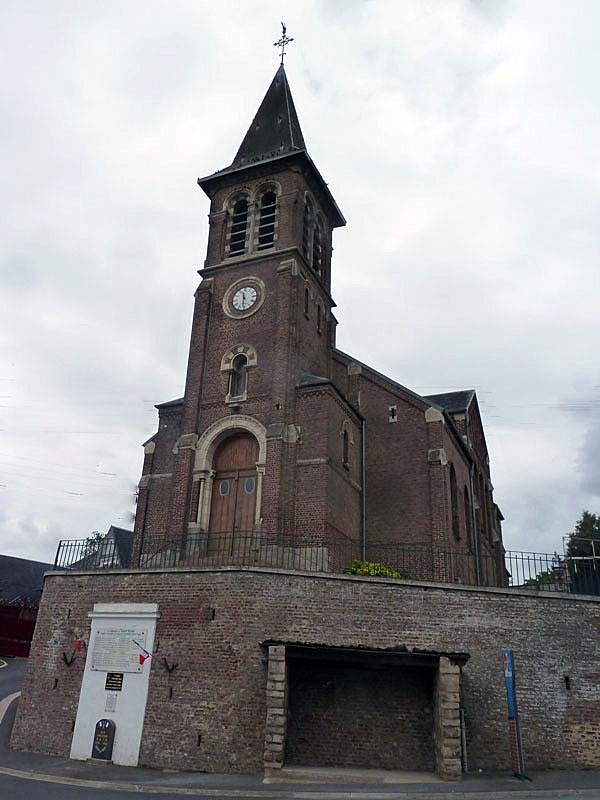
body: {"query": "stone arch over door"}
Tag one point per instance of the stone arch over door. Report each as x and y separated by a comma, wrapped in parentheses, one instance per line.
(204, 472)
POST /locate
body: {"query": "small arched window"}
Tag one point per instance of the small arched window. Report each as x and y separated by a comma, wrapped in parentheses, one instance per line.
(488, 513)
(483, 504)
(306, 298)
(239, 226)
(345, 450)
(238, 377)
(454, 503)
(266, 225)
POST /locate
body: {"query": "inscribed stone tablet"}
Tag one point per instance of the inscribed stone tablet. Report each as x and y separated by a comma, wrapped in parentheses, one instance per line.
(114, 649)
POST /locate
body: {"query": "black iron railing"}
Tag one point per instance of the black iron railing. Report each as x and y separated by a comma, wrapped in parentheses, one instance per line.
(536, 572)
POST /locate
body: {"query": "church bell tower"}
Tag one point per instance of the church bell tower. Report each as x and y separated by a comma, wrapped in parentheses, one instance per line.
(251, 443)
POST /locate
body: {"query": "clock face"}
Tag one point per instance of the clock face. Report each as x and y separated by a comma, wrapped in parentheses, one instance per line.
(244, 298)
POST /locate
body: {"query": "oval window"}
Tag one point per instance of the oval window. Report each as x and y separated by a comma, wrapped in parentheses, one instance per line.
(249, 485)
(224, 488)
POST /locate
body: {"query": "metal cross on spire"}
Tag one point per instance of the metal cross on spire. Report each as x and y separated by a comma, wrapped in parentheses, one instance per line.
(283, 41)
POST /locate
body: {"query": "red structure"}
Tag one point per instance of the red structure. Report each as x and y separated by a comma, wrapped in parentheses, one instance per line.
(17, 624)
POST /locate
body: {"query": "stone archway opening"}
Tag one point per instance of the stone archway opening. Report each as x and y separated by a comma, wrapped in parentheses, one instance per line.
(360, 715)
(363, 708)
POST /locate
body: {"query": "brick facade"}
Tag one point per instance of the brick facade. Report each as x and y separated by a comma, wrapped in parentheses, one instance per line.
(351, 455)
(211, 712)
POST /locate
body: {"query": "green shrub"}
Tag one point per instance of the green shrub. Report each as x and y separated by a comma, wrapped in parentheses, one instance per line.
(373, 569)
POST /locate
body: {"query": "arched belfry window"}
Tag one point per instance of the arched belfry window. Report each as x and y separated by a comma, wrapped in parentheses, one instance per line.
(312, 236)
(252, 220)
(308, 223)
(239, 227)
(317, 252)
(266, 225)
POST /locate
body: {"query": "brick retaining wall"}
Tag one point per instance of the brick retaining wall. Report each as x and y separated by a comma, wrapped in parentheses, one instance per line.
(209, 712)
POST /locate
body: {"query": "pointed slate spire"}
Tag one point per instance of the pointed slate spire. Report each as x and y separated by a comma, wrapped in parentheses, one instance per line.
(275, 129)
(275, 136)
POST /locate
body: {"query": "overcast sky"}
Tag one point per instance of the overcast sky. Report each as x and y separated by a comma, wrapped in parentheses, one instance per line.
(461, 141)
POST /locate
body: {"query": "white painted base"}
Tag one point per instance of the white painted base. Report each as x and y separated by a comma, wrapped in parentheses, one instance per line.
(128, 708)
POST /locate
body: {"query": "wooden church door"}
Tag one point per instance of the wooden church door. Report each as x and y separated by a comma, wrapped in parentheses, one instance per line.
(233, 502)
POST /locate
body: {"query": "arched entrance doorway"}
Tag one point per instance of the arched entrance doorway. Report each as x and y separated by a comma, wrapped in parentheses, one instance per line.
(233, 501)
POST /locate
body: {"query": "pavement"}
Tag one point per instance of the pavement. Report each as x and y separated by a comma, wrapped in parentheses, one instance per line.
(296, 783)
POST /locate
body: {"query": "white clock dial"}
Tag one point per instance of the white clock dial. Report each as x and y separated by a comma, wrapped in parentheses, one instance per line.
(244, 298)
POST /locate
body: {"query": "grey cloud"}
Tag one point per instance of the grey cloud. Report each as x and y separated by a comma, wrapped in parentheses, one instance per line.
(586, 410)
(588, 463)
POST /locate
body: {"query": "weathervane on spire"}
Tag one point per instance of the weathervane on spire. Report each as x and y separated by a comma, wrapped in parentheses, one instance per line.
(282, 42)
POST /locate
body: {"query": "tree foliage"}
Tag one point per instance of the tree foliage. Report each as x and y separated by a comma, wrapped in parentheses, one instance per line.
(583, 555)
(93, 543)
(543, 578)
(585, 539)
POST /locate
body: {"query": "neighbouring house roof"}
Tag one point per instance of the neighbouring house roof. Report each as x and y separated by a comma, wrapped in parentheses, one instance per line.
(111, 550)
(453, 402)
(22, 580)
(123, 543)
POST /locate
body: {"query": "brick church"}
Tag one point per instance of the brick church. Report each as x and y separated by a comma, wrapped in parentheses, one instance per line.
(233, 641)
(283, 446)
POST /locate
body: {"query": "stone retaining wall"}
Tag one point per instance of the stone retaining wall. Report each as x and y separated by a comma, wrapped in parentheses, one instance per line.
(209, 712)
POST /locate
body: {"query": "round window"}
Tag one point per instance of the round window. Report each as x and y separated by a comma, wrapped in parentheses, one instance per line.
(249, 485)
(224, 488)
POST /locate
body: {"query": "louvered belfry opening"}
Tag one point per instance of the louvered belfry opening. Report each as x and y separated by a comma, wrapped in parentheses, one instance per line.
(266, 227)
(239, 224)
(317, 248)
(307, 228)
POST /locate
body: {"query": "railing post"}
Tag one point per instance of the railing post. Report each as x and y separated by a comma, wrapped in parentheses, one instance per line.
(57, 553)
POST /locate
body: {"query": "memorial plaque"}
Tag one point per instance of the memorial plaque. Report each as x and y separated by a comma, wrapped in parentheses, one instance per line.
(113, 649)
(114, 682)
(104, 737)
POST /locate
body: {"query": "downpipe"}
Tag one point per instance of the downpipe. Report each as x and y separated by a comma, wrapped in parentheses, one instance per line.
(363, 483)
